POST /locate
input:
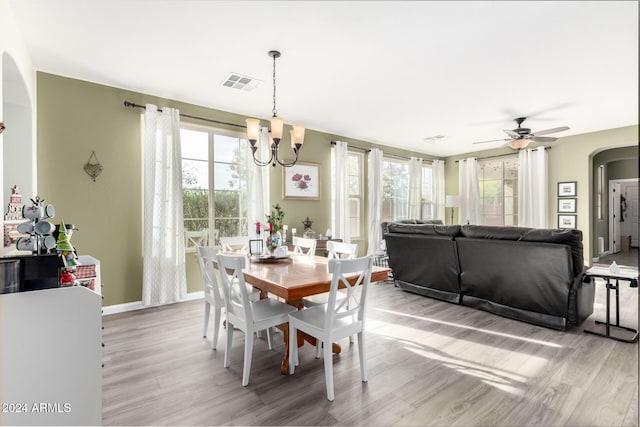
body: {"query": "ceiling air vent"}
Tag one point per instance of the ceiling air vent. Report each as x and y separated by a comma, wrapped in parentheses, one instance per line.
(244, 83)
(433, 139)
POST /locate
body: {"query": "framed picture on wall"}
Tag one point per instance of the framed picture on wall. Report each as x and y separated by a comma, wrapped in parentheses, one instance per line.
(567, 221)
(567, 205)
(301, 181)
(567, 189)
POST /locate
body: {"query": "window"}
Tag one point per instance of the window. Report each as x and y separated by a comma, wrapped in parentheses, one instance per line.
(355, 194)
(213, 159)
(498, 180)
(395, 193)
(428, 202)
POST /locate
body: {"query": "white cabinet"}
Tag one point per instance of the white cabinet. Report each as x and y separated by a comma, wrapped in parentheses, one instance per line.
(51, 357)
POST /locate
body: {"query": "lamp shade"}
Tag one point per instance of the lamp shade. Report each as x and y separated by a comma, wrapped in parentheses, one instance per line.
(277, 124)
(451, 201)
(297, 134)
(518, 144)
(253, 129)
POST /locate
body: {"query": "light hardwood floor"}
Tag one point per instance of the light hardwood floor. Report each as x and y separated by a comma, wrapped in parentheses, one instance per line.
(429, 363)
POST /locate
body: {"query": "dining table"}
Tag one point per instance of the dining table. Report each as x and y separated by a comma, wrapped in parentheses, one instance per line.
(293, 278)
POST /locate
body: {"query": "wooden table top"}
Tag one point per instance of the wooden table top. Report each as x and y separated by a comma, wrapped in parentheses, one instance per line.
(299, 277)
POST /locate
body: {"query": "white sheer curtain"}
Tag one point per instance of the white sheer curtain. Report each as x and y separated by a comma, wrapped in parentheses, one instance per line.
(532, 188)
(469, 191)
(340, 218)
(374, 194)
(415, 188)
(258, 205)
(437, 173)
(164, 278)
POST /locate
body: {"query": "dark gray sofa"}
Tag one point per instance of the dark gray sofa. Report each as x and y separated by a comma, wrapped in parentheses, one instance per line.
(533, 275)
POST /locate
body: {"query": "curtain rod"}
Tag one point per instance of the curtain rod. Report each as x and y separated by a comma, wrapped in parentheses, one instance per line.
(367, 150)
(501, 155)
(132, 105)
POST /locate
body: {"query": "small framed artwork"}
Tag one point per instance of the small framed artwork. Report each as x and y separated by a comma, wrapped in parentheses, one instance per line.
(567, 221)
(567, 189)
(567, 205)
(301, 181)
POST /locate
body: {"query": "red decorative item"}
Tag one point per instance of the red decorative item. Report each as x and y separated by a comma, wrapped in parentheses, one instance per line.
(67, 278)
(258, 227)
(270, 228)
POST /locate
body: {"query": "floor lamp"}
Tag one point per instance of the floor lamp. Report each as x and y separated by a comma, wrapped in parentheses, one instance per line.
(452, 202)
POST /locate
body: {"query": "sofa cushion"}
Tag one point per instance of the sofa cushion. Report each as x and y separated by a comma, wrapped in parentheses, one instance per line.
(569, 237)
(532, 276)
(419, 221)
(429, 262)
(428, 229)
(493, 232)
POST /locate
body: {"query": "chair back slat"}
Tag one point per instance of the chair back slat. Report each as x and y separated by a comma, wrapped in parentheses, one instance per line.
(206, 256)
(234, 243)
(355, 303)
(303, 246)
(235, 290)
(341, 250)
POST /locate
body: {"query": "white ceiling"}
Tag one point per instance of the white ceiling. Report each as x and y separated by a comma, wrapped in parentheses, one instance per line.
(391, 72)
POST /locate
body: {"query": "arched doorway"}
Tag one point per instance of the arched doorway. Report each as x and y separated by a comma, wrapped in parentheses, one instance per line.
(18, 153)
(615, 173)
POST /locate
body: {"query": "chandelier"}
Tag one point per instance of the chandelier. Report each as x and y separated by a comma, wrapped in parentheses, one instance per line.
(277, 124)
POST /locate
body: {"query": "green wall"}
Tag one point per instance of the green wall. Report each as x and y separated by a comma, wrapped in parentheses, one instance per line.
(623, 169)
(571, 159)
(75, 117)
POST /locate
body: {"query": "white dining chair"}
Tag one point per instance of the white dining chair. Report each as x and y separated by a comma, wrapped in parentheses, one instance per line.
(234, 244)
(336, 320)
(192, 239)
(248, 316)
(341, 250)
(336, 250)
(304, 246)
(212, 296)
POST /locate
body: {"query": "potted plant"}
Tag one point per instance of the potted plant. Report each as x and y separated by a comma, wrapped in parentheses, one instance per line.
(276, 219)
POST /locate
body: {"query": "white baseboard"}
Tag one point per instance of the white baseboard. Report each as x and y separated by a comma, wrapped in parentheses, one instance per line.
(137, 305)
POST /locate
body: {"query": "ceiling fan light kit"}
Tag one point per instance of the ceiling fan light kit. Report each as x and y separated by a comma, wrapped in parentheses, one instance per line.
(521, 137)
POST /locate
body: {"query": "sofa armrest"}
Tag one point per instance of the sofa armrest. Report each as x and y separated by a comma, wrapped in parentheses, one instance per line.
(581, 298)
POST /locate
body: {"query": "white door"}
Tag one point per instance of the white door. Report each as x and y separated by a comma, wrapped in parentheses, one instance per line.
(630, 216)
(614, 217)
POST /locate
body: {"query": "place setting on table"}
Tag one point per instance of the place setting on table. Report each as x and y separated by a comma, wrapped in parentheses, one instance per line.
(268, 250)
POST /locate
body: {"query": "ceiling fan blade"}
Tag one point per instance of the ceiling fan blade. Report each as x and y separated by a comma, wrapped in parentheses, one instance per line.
(543, 138)
(491, 140)
(512, 134)
(548, 131)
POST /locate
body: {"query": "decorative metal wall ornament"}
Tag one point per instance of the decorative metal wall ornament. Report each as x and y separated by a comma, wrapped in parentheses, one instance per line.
(93, 168)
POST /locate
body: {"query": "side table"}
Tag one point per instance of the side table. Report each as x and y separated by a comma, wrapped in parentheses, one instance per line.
(625, 274)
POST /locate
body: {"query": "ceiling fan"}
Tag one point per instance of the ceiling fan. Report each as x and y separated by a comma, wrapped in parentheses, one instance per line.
(520, 137)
